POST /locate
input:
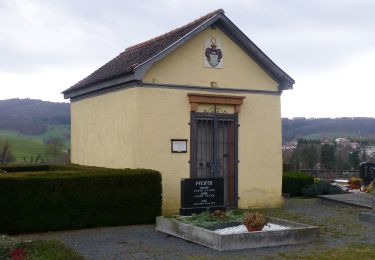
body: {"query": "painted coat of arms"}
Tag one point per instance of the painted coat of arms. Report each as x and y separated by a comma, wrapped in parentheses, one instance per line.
(213, 53)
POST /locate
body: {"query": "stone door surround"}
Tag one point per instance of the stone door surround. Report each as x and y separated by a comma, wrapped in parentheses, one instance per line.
(195, 99)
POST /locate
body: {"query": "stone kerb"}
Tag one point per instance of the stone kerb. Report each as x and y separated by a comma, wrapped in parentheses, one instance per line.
(296, 234)
(369, 216)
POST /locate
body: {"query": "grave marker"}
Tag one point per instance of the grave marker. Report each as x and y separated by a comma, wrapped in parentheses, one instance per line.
(201, 194)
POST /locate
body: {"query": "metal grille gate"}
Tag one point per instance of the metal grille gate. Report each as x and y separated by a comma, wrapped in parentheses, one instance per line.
(214, 150)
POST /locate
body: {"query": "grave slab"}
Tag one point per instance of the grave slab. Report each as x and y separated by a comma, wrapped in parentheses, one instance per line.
(361, 200)
(296, 234)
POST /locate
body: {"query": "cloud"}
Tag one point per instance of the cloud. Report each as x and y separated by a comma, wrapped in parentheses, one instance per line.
(79, 33)
(347, 91)
(47, 46)
(46, 84)
(310, 35)
(42, 34)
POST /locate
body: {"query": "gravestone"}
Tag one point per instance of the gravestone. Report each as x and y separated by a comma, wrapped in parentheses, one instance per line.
(201, 194)
(367, 172)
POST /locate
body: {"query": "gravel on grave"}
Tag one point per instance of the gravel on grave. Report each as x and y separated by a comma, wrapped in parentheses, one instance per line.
(242, 229)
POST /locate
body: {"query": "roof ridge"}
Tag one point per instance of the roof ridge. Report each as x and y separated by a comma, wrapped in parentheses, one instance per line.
(147, 42)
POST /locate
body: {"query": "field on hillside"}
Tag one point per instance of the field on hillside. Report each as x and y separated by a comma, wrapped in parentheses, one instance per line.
(331, 136)
(33, 145)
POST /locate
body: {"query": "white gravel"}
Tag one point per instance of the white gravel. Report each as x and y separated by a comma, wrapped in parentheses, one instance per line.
(242, 229)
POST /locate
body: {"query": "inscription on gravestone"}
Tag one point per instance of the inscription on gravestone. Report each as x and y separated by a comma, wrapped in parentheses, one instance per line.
(200, 194)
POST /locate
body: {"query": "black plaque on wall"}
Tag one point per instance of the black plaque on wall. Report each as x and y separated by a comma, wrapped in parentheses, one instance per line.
(201, 194)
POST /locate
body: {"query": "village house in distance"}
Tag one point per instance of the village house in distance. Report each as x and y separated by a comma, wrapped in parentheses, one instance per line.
(199, 101)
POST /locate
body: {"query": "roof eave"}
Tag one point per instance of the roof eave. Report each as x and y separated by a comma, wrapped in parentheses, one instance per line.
(105, 84)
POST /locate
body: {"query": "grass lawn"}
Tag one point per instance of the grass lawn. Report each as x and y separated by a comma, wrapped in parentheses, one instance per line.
(32, 145)
(349, 252)
(331, 135)
(51, 250)
(11, 248)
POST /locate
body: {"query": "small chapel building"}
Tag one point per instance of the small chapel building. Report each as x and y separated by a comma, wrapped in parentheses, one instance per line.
(199, 101)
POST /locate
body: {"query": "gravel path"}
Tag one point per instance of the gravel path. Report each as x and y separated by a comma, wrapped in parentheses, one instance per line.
(338, 226)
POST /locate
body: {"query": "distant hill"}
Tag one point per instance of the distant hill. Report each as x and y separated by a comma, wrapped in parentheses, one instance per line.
(38, 118)
(314, 128)
(26, 124)
(31, 116)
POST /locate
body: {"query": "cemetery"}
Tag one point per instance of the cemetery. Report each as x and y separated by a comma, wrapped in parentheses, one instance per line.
(176, 146)
(200, 105)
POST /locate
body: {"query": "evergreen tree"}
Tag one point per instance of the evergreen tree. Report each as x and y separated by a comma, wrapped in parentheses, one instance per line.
(327, 156)
(354, 159)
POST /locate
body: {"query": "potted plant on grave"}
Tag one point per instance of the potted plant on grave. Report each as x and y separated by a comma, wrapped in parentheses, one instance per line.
(355, 183)
(218, 215)
(254, 221)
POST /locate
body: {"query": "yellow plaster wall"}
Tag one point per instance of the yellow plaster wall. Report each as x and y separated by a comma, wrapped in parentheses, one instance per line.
(184, 66)
(133, 127)
(260, 167)
(104, 130)
(164, 114)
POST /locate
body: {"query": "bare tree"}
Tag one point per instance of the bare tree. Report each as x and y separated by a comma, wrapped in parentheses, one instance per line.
(33, 160)
(55, 146)
(6, 155)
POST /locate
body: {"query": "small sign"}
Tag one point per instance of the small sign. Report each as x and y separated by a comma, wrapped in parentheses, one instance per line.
(179, 145)
(200, 194)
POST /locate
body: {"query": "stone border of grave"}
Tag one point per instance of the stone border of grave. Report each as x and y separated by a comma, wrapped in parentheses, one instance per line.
(296, 234)
(368, 216)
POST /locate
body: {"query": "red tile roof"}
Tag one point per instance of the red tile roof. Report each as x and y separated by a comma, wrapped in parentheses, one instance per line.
(139, 53)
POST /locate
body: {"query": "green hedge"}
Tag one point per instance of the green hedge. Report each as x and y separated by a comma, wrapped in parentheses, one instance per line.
(321, 188)
(47, 167)
(24, 168)
(75, 197)
(295, 182)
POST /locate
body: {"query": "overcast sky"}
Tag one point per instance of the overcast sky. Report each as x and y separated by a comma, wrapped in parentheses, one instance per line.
(327, 46)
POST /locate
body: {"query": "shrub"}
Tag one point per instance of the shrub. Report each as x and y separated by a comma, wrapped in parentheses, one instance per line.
(24, 168)
(11, 248)
(206, 219)
(370, 187)
(80, 197)
(51, 249)
(321, 188)
(7, 244)
(47, 167)
(355, 183)
(295, 182)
